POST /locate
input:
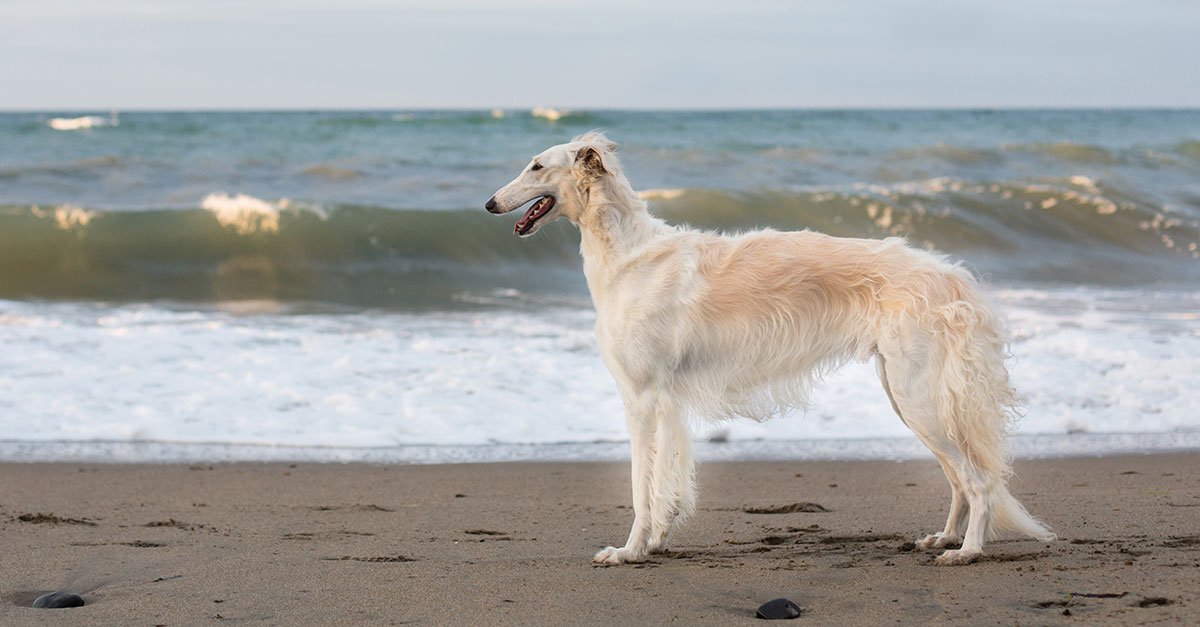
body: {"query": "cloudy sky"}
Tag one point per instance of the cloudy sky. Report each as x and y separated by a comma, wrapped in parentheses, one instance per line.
(204, 54)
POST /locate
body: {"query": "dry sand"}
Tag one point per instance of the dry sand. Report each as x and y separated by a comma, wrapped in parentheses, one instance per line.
(510, 544)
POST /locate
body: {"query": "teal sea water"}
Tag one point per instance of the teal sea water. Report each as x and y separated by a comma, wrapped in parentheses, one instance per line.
(316, 279)
(373, 208)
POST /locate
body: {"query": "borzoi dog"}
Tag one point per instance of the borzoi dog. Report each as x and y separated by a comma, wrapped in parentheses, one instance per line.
(712, 326)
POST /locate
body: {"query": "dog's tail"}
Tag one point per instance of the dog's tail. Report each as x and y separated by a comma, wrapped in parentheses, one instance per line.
(1007, 514)
(977, 406)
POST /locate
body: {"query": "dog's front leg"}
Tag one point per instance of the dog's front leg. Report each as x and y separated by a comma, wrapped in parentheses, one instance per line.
(642, 428)
(673, 477)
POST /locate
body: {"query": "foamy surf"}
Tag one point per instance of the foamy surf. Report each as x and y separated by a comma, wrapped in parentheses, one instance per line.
(1100, 363)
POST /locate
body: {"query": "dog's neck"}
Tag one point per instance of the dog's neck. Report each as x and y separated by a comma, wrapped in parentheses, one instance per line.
(615, 227)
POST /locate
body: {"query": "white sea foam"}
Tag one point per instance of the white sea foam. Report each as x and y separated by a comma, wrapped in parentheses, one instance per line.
(245, 214)
(66, 217)
(83, 122)
(1085, 182)
(551, 115)
(1086, 361)
(661, 194)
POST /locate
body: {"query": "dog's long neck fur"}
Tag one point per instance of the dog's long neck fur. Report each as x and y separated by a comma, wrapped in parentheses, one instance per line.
(615, 227)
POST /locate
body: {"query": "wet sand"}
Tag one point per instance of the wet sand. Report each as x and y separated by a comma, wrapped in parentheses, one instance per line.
(492, 544)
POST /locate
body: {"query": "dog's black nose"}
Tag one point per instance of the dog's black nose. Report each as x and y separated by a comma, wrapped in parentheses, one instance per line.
(491, 204)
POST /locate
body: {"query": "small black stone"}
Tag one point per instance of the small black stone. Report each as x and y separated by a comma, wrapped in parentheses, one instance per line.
(57, 599)
(778, 609)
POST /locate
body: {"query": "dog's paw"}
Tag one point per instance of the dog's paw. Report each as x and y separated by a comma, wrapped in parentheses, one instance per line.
(958, 557)
(618, 555)
(659, 546)
(937, 541)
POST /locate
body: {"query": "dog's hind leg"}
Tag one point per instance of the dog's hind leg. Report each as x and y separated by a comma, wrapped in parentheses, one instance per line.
(957, 518)
(911, 384)
(643, 427)
(978, 486)
(673, 496)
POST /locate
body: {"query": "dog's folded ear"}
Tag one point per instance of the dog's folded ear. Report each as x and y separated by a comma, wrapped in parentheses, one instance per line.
(589, 160)
(595, 157)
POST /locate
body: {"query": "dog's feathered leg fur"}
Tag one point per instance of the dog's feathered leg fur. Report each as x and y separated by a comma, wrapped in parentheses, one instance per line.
(663, 475)
(958, 503)
(643, 436)
(673, 479)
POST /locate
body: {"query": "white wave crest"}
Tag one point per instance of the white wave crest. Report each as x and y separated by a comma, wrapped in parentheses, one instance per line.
(83, 122)
(548, 114)
(1087, 183)
(66, 217)
(661, 194)
(245, 214)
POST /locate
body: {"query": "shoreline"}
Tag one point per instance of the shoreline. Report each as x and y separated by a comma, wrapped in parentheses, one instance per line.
(510, 543)
(1024, 446)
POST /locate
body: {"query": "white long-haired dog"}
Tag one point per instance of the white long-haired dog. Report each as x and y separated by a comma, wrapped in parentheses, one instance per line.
(697, 324)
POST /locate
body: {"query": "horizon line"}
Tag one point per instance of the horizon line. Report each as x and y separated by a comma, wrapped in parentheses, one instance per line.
(747, 109)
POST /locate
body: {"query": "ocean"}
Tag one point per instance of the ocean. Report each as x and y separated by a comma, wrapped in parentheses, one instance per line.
(185, 286)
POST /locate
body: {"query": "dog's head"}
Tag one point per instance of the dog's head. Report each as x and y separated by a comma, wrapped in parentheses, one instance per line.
(559, 179)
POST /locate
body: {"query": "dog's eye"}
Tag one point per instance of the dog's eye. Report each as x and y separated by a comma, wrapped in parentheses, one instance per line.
(536, 167)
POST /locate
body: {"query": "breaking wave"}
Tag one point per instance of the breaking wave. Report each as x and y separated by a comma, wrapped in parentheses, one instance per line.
(234, 247)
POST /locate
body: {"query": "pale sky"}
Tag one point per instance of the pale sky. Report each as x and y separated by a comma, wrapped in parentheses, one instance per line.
(234, 54)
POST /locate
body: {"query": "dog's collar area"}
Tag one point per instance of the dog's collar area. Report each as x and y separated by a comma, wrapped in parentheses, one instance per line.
(535, 213)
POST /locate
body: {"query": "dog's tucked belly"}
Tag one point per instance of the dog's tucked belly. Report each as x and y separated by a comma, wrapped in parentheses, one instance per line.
(725, 368)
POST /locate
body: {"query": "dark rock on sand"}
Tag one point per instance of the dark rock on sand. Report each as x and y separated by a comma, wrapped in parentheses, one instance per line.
(778, 609)
(57, 599)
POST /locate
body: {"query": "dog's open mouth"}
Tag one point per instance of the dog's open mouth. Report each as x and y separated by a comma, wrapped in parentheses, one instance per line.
(535, 213)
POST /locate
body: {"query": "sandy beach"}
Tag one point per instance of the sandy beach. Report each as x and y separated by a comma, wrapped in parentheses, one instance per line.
(510, 544)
